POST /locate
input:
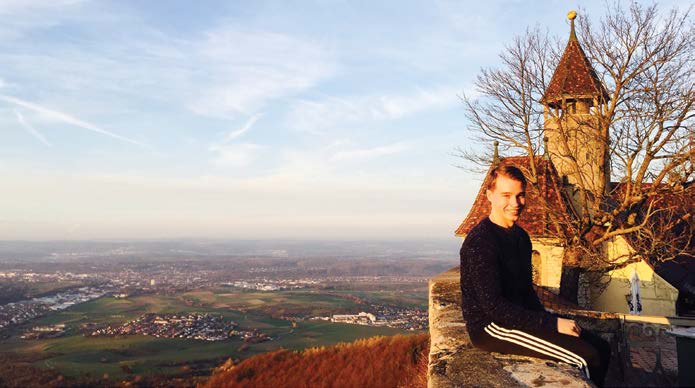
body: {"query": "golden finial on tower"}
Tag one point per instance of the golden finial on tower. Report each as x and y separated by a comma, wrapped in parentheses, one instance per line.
(571, 15)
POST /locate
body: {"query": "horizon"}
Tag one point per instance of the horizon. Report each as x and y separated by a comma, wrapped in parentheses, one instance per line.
(327, 120)
(176, 250)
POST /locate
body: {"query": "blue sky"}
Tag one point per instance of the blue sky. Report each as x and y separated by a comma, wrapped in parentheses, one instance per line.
(246, 119)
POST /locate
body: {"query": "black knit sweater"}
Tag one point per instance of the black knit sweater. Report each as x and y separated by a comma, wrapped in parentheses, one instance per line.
(496, 280)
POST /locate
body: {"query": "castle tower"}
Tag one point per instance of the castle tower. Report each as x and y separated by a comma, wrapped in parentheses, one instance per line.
(572, 103)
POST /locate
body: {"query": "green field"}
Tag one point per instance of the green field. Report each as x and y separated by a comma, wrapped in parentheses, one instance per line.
(75, 355)
(412, 295)
(278, 303)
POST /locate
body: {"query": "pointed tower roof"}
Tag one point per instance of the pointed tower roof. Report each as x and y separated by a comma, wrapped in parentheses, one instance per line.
(574, 76)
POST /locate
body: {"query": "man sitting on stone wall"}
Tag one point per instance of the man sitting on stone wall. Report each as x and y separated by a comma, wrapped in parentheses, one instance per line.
(501, 309)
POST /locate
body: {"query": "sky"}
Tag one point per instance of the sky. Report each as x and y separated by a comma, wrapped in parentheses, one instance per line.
(307, 119)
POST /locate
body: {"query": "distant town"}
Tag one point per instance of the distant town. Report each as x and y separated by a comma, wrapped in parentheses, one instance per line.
(403, 318)
(204, 327)
(25, 310)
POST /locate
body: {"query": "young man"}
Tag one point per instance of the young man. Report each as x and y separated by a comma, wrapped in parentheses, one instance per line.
(500, 307)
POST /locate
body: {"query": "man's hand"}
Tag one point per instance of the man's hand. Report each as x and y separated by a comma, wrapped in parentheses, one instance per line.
(568, 326)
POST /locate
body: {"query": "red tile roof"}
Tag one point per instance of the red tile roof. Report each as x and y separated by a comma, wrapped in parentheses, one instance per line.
(673, 215)
(574, 76)
(543, 201)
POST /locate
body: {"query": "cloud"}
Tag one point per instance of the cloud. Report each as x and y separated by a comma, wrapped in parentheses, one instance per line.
(66, 118)
(330, 164)
(31, 129)
(317, 116)
(239, 132)
(235, 155)
(19, 16)
(369, 153)
(246, 69)
(221, 72)
(13, 7)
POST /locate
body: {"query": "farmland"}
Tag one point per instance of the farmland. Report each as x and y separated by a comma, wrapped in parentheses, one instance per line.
(75, 355)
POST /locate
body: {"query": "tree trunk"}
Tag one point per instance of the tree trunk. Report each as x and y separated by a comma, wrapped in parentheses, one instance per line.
(569, 283)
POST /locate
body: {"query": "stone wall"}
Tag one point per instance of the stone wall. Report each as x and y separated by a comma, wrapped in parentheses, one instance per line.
(454, 362)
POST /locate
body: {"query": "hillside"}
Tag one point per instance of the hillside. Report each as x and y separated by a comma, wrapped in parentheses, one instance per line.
(397, 361)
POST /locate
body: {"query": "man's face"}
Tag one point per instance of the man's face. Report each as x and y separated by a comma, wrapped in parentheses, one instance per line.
(507, 200)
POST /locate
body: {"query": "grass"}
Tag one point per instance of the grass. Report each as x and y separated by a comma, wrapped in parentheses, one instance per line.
(402, 294)
(76, 355)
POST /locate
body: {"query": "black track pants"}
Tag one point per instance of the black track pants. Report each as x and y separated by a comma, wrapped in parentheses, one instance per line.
(589, 352)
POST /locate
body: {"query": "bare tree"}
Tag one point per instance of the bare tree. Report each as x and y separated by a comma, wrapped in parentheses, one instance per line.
(640, 131)
(507, 107)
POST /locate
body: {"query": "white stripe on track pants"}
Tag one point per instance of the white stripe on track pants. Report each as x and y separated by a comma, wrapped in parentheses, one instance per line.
(589, 352)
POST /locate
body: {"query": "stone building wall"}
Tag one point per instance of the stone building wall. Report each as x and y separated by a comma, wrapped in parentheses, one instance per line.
(550, 268)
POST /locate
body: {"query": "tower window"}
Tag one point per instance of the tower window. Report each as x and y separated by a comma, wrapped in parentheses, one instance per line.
(571, 107)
